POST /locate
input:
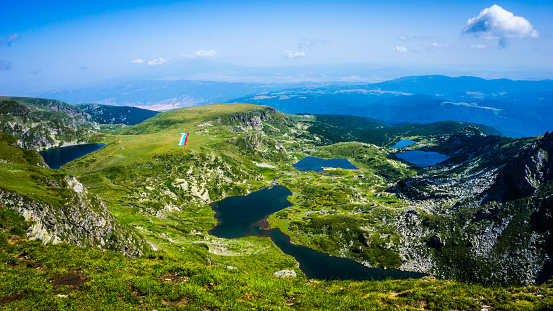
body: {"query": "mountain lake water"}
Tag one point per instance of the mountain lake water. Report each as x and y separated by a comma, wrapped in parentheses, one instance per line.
(403, 143)
(242, 216)
(317, 164)
(422, 158)
(57, 157)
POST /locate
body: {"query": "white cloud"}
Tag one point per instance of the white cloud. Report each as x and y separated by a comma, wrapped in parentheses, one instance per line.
(478, 46)
(401, 49)
(202, 53)
(310, 43)
(294, 54)
(434, 46)
(498, 23)
(157, 61)
(437, 45)
(138, 61)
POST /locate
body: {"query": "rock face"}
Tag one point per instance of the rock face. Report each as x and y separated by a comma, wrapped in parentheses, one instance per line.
(83, 220)
(522, 175)
(435, 242)
(54, 124)
(542, 219)
(255, 118)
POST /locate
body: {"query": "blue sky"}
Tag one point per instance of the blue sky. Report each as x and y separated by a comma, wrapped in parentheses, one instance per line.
(59, 44)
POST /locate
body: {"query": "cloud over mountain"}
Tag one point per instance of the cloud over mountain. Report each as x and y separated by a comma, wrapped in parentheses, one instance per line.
(157, 61)
(202, 53)
(496, 22)
(294, 54)
(401, 49)
(310, 43)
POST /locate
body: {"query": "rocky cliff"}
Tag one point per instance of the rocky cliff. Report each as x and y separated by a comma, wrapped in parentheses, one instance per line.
(61, 209)
(524, 173)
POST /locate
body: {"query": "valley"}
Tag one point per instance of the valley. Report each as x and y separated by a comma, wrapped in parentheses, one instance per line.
(447, 220)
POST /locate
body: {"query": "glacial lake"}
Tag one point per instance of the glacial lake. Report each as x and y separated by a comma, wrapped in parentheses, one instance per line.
(57, 157)
(317, 164)
(246, 215)
(422, 158)
(403, 143)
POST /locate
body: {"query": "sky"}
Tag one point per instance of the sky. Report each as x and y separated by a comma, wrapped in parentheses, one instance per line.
(47, 45)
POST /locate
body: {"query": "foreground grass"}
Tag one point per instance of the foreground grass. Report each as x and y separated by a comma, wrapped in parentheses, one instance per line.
(34, 276)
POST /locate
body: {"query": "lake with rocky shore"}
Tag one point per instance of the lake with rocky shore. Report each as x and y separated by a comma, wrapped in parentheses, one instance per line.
(242, 216)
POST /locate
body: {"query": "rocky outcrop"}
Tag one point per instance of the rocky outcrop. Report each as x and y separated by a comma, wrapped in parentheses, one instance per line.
(45, 127)
(266, 119)
(83, 220)
(435, 242)
(542, 219)
(523, 174)
(285, 273)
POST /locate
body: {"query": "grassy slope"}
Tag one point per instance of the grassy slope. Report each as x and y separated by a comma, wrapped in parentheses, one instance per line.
(140, 176)
(153, 160)
(153, 176)
(65, 277)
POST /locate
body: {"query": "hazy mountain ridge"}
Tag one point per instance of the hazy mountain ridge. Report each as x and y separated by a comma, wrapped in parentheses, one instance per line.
(516, 108)
(161, 95)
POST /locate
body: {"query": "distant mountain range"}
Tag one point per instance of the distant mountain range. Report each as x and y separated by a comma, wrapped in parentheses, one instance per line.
(162, 95)
(516, 108)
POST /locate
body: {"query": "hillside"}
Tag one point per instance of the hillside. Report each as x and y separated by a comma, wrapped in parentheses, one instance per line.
(236, 149)
(61, 209)
(105, 114)
(62, 276)
(442, 220)
(40, 123)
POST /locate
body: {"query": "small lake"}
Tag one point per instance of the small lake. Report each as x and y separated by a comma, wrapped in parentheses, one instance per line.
(317, 164)
(403, 143)
(422, 158)
(246, 215)
(57, 157)
(239, 215)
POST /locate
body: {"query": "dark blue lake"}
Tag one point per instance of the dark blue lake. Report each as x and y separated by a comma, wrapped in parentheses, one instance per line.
(245, 216)
(403, 143)
(317, 164)
(57, 157)
(239, 215)
(422, 158)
